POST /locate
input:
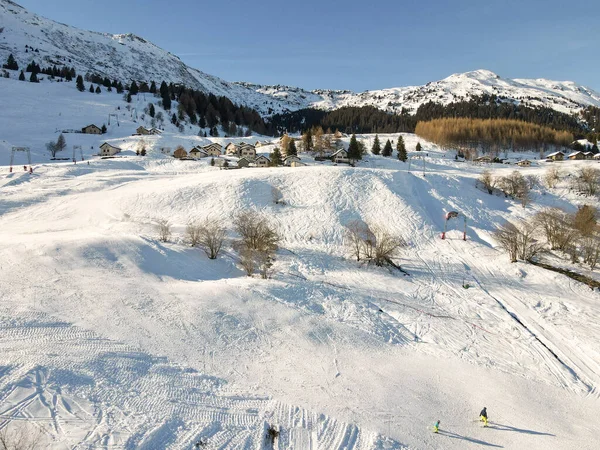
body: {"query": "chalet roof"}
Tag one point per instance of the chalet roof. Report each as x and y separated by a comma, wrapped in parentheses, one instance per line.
(92, 125)
(575, 153)
(110, 145)
(292, 156)
(339, 151)
(555, 154)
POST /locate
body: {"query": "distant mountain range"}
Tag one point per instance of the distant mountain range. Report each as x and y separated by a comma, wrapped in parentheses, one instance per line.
(129, 57)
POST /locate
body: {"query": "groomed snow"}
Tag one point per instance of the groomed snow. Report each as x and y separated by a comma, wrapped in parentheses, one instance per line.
(111, 339)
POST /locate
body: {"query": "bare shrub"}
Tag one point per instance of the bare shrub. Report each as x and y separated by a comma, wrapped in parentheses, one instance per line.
(248, 260)
(387, 246)
(552, 177)
(258, 243)
(587, 181)
(528, 246)
(519, 240)
(21, 438)
(590, 250)
(256, 232)
(585, 220)
(556, 225)
(193, 231)
(516, 186)
(487, 181)
(163, 227)
(533, 181)
(211, 237)
(373, 244)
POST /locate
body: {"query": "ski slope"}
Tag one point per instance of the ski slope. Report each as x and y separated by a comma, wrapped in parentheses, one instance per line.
(111, 339)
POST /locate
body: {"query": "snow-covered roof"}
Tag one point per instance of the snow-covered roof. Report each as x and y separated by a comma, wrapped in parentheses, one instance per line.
(555, 154)
(575, 154)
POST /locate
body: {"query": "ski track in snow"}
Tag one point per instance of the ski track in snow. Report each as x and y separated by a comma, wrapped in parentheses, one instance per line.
(111, 339)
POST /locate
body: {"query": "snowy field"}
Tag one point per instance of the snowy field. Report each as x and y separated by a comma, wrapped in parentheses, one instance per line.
(111, 339)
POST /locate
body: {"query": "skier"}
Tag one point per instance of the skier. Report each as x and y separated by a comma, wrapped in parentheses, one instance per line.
(436, 427)
(483, 416)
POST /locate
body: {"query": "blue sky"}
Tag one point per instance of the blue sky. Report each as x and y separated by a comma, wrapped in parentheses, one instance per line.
(355, 44)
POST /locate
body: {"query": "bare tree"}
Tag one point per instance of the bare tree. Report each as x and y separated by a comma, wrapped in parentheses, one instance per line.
(590, 250)
(557, 226)
(211, 237)
(193, 231)
(528, 246)
(357, 233)
(585, 220)
(519, 240)
(516, 186)
(587, 181)
(248, 260)
(487, 181)
(552, 177)
(164, 230)
(507, 236)
(52, 148)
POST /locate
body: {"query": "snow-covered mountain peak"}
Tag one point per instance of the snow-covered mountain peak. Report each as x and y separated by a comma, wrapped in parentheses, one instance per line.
(130, 57)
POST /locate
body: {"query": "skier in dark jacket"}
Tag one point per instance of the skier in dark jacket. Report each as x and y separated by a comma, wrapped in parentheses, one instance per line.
(483, 416)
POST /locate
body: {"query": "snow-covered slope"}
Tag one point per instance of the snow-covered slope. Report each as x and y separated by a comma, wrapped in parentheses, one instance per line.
(129, 57)
(111, 339)
(563, 96)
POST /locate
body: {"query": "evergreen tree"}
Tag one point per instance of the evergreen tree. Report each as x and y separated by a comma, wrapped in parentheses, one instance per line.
(79, 83)
(418, 147)
(376, 150)
(165, 95)
(151, 110)
(307, 139)
(202, 122)
(91, 89)
(133, 89)
(98, 90)
(22, 76)
(106, 82)
(402, 156)
(174, 119)
(275, 157)
(387, 149)
(120, 88)
(61, 143)
(212, 161)
(292, 149)
(153, 88)
(11, 64)
(354, 152)
(128, 97)
(103, 128)
(33, 78)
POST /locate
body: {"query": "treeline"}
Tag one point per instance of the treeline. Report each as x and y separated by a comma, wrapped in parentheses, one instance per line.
(204, 110)
(350, 119)
(492, 107)
(490, 135)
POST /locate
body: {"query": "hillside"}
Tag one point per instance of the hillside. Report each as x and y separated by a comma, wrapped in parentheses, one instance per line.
(117, 339)
(128, 57)
(142, 344)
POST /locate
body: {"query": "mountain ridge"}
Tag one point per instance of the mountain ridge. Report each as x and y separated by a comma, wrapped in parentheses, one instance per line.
(129, 57)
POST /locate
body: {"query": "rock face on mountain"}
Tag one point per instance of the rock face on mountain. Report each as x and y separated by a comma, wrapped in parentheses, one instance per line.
(129, 57)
